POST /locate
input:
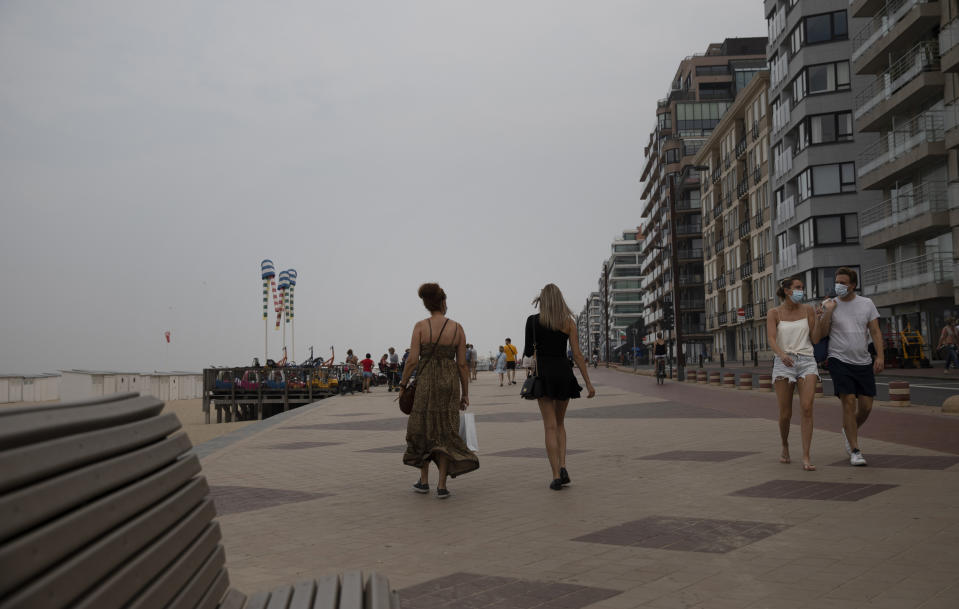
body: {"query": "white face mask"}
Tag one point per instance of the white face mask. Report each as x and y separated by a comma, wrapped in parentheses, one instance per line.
(841, 290)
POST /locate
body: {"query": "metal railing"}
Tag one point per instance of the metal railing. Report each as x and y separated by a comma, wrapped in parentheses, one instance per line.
(924, 57)
(760, 263)
(763, 308)
(785, 210)
(949, 36)
(758, 218)
(741, 146)
(731, 278)
(757, 175)
(879, 26)
(690, 253)
(925, 198)
(746, 270)
(721, 282)
(755, 130)
(750, 311)
(744, 229)
(787, 258)
(926, 127)
(722, 318)
(934, 267)
(689, 229)
(717, 174)
(742, 188)
(719, 245)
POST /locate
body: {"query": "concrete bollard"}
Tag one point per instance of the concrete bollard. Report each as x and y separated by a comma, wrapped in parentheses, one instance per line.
(819, 390)
(951, 404)
(899, 393)
(691, 376)
(729, 380)
(745, 382)
(702, 377)
(714, 379)
(766, 383)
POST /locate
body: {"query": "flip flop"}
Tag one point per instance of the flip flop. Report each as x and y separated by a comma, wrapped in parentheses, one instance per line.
(785, 460)
(808, 467)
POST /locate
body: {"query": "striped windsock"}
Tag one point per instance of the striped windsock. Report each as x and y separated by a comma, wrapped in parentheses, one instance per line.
(291, 274)
(283, 305)
(267, 273)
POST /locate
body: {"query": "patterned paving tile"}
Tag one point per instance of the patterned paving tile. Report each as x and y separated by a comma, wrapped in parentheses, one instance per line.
(353, 414)
(236, 499)
(819, 491)
(685, 534)
(471, 591)
(509, 417)
(375, 425)
(394, 450)
(299, 445)
(698, 455)
(654, 410)
(537, 453)
(905, 461)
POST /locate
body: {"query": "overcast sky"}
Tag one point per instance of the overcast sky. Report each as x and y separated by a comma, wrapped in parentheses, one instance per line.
(153, 153)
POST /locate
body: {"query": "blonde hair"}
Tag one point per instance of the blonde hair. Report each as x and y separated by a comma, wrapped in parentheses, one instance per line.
(554, 313)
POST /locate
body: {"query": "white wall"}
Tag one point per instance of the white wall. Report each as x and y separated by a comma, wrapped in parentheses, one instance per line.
(77, 386)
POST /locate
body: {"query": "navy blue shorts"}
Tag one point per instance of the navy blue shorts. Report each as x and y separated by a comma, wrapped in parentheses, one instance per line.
(850, 379)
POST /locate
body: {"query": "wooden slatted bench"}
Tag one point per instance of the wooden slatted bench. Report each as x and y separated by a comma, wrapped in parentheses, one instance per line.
(102, 505)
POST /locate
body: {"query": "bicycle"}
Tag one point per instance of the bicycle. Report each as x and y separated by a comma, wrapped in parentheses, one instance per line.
(660, 370)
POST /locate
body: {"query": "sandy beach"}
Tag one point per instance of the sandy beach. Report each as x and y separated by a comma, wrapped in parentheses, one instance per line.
(189, 412)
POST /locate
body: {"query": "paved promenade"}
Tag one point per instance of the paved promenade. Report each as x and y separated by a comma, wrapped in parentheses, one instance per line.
(677, 500)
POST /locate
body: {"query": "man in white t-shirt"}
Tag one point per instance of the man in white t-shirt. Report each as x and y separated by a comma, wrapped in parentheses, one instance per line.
(849, 321)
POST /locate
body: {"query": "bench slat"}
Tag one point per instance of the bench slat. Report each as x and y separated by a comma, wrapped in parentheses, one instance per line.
(27, 464)
(32, 553)
(191, 594)
(377, 592)
(131, 577)
(166, 586)
(69, 579)
(257, 601)
(234, 599)
(103, 399)
(32, 505)
(327, 592)
(33, 425)
(280, 597)
(351, 590)
(216, 591)
(303, 595)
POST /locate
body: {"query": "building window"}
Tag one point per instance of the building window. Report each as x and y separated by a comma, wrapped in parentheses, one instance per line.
(665, 120)
(820, 79)
(826, 27)
(823, 180)
(627, 247)
(626, 284)
(622, 259)
(720, 70)
(626, 272)
(672, 155)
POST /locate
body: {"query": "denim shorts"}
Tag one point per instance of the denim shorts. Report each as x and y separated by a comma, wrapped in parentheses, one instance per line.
(803, 366)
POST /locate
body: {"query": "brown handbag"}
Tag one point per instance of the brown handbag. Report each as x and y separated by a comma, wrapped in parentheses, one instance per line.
(409, 394)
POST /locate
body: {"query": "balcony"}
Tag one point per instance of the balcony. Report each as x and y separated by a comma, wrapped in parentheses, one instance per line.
(717, 210)
(911, 280)
(787, 260)
(920, 213)
(785, 210)
(755, 130)
(721, 282)
(741, 147)
(891, 31)
(760, 263)
(902, 88)
(783, 164)
(746, 270)
(750, 311)
(688, 254)
(763, 308)
(757, 176)
(688, 279)
(717, 174)
(692, 228)
(865, 8)
(727, 161)
(722, 318)
(731, 278)
(949, 46)
(911, 146)
(742, 188)
(691, 304)
(744, 229)
(719, 246)
(758, 218)
(709, 287)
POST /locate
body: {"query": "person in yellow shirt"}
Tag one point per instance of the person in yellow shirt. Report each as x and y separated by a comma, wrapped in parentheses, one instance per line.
(511, 352)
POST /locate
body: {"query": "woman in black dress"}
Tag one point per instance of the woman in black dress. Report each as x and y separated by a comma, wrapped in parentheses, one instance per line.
(547, 334)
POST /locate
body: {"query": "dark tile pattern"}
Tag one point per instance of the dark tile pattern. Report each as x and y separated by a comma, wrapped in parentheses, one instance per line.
(509, 417)
(655, 410)
(394, 424)
(819, 491)
(905, 461)
(685, 534)
(713, 456)
(531, 452)
(237, 499)
(395, 450)
(471, 591)
(299, 445)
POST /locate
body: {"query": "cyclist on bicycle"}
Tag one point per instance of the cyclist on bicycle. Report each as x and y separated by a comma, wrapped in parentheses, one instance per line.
(659, 353)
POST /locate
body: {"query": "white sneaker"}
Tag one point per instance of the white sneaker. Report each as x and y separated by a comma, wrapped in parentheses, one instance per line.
(856, 458)
(845, 441)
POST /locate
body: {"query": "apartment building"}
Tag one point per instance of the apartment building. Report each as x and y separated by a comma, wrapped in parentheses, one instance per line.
(816, 151)
(908, 53)
(702, 90)
(624, 288)
(737, 227)
(590, 325)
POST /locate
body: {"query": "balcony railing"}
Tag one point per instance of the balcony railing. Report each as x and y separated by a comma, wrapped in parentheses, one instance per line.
(731, 237)
(783, 163)
(717, 210)
(925, 198)
(750, 311)
(691, 278)
(741, 147)
(755, 130)
(690, 253)
(926, 127)
(731, 278)
(742, 189)
(905, 274)
(727, 161)
(785, 210)
(787, 259)
(689, 229)
(717, 173)
(744, 229)
(721, 282)
(719, 245)
(722, 318)
(746, 270)
(949, 36)
(760, 262)
(709, 287)
(762, 308)
(924, 57)
(757, 175)
(692, 303)
(758, 218)
(880, 25)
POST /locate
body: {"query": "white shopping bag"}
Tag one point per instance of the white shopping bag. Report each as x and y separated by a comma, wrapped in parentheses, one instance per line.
(468, 430)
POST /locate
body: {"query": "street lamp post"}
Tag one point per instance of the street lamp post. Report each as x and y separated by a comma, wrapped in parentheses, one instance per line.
(606, 307)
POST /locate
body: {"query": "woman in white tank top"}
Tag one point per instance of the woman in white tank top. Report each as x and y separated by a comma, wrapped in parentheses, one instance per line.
(790, 329)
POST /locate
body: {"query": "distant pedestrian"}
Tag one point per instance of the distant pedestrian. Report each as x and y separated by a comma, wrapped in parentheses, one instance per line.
(791, 330)
(474, 362)
(469, 358)
(511, 352)
(501, 365)
(949, 343)
(438, 349)
(367, 365)
(394, 369)
(847, 319)
(547, 335)
(351, 359)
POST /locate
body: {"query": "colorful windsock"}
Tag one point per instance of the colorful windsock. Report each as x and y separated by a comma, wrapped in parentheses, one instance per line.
(282, 285)
(292, 275)
(267, 273)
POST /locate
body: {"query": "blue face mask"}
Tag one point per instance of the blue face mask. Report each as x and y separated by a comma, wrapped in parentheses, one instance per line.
(797, 296)
(841, 290)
